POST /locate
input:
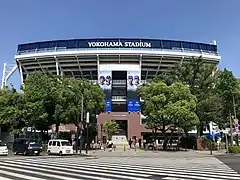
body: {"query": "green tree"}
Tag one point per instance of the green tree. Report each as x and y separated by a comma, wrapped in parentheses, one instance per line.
(228, 88)
(78, 91)
(201, 78)
(43, 93)
(12, 112)
(61, 99)
(110, 128)
(168, 107)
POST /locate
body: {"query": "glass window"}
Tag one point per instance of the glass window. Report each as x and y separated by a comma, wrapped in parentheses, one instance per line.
(25, 47)
(54, 143)
(176, 44)
(65, 143)
(58, 143)
(33, 144)
(166, 44)
(71, 44)
(2, 144)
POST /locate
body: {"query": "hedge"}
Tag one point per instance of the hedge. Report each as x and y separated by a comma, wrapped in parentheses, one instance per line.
(234, 149)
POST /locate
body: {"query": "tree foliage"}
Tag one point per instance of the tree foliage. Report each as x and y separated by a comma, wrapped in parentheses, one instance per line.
(12, 111)
(168, 107)
(110, 128)
(228, 88)
(49, 99)
(214, 89)
(201, 78)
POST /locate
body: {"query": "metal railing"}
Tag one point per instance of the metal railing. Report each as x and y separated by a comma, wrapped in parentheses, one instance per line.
(119, 81)
(119, 97)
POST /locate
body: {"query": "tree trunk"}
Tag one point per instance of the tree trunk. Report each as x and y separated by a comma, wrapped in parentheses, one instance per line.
(165, 138)
(57, 129)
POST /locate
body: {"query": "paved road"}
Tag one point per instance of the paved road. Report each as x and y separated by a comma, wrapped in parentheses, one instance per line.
(110, 168)
(232, 161)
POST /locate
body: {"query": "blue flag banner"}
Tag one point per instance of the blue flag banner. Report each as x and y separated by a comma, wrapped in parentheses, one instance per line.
(108, 105)
(134, 106)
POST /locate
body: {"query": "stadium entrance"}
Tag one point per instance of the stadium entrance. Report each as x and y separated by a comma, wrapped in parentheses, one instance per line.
(121, 135)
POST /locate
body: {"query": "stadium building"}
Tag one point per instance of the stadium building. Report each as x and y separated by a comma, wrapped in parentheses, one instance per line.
(119, 65)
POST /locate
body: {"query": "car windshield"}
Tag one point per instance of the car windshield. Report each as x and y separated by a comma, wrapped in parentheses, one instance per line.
(2, 144)
(33, 144)
(65, 143)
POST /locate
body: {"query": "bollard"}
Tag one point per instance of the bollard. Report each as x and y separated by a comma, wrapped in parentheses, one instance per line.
(135, 147)
(124, 148)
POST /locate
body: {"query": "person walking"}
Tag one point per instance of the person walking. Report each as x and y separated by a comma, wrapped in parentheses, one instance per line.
(144, 143)
(140, 143)
(130, 143)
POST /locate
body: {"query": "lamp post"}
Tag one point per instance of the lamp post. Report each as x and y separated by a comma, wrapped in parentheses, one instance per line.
(101, 133)
(81, 124)
(87, 124)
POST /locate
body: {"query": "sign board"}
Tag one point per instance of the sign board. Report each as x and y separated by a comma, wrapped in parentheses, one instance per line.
(225, 131)
(87, 118)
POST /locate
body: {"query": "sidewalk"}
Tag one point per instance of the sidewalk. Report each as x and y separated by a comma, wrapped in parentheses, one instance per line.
(143, 153)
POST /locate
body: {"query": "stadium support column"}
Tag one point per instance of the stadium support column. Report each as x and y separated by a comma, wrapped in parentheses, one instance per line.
(140, 63)
(159, 66)
(182, 60)
(21, 72)
(57, 65)
(3, 76)
(98, 64)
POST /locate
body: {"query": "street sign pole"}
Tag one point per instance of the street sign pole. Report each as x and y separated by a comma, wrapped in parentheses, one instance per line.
(87, 123)
(211, 147)
(231, 129)
(226, 138)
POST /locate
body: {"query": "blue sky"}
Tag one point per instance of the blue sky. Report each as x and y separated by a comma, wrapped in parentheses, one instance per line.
(201, 21)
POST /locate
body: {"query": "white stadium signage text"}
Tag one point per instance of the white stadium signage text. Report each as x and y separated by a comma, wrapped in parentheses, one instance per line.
(120, 44)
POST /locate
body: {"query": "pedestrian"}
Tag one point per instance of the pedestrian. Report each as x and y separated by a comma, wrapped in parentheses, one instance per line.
(144, 143)
(130, 143)
(140, 143)
(110, 145)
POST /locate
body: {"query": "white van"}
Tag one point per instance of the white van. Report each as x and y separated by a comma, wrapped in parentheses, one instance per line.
(3, 149)
(59, 146)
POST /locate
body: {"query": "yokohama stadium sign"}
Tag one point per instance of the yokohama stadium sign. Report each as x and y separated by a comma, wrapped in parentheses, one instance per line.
(119, 44)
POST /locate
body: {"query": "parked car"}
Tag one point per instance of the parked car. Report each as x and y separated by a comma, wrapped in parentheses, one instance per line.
(59, 146)
(3, 149)
(26, 147)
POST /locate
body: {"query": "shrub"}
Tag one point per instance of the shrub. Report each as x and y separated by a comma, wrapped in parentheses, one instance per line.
(234, 149)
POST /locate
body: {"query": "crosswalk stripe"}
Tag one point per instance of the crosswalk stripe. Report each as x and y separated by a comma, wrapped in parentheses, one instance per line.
(141, 170)
(20, 169)
(72, 168)
(144, 170)
(3, 178)
(37, 167)
(107, 169)
(17, 175)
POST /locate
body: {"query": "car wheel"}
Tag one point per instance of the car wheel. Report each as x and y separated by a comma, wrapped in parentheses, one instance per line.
(49, 152)
(60, 153)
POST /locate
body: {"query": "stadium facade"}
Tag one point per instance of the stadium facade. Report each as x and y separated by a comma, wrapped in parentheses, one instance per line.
(119, 65)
